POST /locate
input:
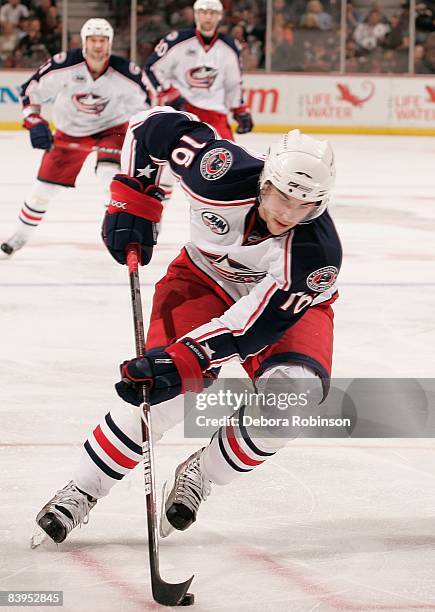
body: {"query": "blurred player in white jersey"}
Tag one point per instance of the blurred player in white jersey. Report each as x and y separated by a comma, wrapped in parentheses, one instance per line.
(198, 70)
(94, 94)
(255, 284)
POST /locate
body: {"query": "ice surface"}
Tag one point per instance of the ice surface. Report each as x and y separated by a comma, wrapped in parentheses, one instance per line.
(326, 524)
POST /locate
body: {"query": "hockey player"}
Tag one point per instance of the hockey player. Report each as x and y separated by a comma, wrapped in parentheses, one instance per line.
(94, 93)
(255, 283)
(199, 70)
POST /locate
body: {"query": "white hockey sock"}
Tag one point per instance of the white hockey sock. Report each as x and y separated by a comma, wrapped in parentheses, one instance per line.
(110, 452)
(29, 218)
(114, 447)
(234, 450)
(34, 209)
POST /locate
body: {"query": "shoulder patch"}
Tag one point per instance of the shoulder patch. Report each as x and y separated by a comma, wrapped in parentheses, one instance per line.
(322, 279)
(59, 58)
(216, 163)
(172, 36)
(134, 68)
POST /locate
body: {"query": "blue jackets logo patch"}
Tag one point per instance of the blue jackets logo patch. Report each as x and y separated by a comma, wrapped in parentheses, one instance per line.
(216, 163)
(322, 279)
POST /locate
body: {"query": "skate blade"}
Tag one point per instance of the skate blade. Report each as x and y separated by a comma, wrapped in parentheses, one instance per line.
(165, 527)
(38, 537)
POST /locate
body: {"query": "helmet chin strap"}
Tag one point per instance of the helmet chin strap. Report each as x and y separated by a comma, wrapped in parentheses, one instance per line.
(259, 198)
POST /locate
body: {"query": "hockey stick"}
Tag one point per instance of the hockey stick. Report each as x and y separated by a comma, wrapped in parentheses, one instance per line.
(77, 146)
(165, 593)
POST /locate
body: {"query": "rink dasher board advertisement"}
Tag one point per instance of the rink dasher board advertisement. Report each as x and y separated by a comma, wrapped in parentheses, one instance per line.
(314, 102)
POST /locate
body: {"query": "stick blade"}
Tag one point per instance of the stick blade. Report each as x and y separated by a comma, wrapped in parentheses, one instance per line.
(169, 594)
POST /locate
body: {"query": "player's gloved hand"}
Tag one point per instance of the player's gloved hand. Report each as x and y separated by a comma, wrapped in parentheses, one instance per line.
(244, 119)
(40, 134)
(131, 218)
(167, 372)
(171, 97)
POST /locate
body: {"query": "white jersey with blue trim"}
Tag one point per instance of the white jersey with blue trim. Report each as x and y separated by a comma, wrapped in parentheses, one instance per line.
(83, 105)
(207, 76)
(270, 280)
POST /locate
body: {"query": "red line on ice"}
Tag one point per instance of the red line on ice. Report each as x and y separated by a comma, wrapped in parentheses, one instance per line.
(100, 569)
(321, 591)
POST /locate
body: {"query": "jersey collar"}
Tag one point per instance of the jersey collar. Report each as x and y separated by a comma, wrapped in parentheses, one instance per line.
(105, 67)
(206, 46)
(255, 228)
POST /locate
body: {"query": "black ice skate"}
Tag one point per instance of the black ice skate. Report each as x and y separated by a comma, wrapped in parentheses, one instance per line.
(14, 243)
(181, 502)
(67, 509)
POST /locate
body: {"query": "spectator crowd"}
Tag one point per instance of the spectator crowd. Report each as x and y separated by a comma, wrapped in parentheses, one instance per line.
(305, 34)
(30, 32)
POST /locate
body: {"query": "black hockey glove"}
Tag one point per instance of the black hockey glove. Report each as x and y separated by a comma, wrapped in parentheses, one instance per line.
(167, 372)
(131, 218)
(244, 119)
(40, 134)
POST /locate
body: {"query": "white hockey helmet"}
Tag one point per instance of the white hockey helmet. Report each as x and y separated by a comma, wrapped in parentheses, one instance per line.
(302, 167)
(212, 5)
(96, 27)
